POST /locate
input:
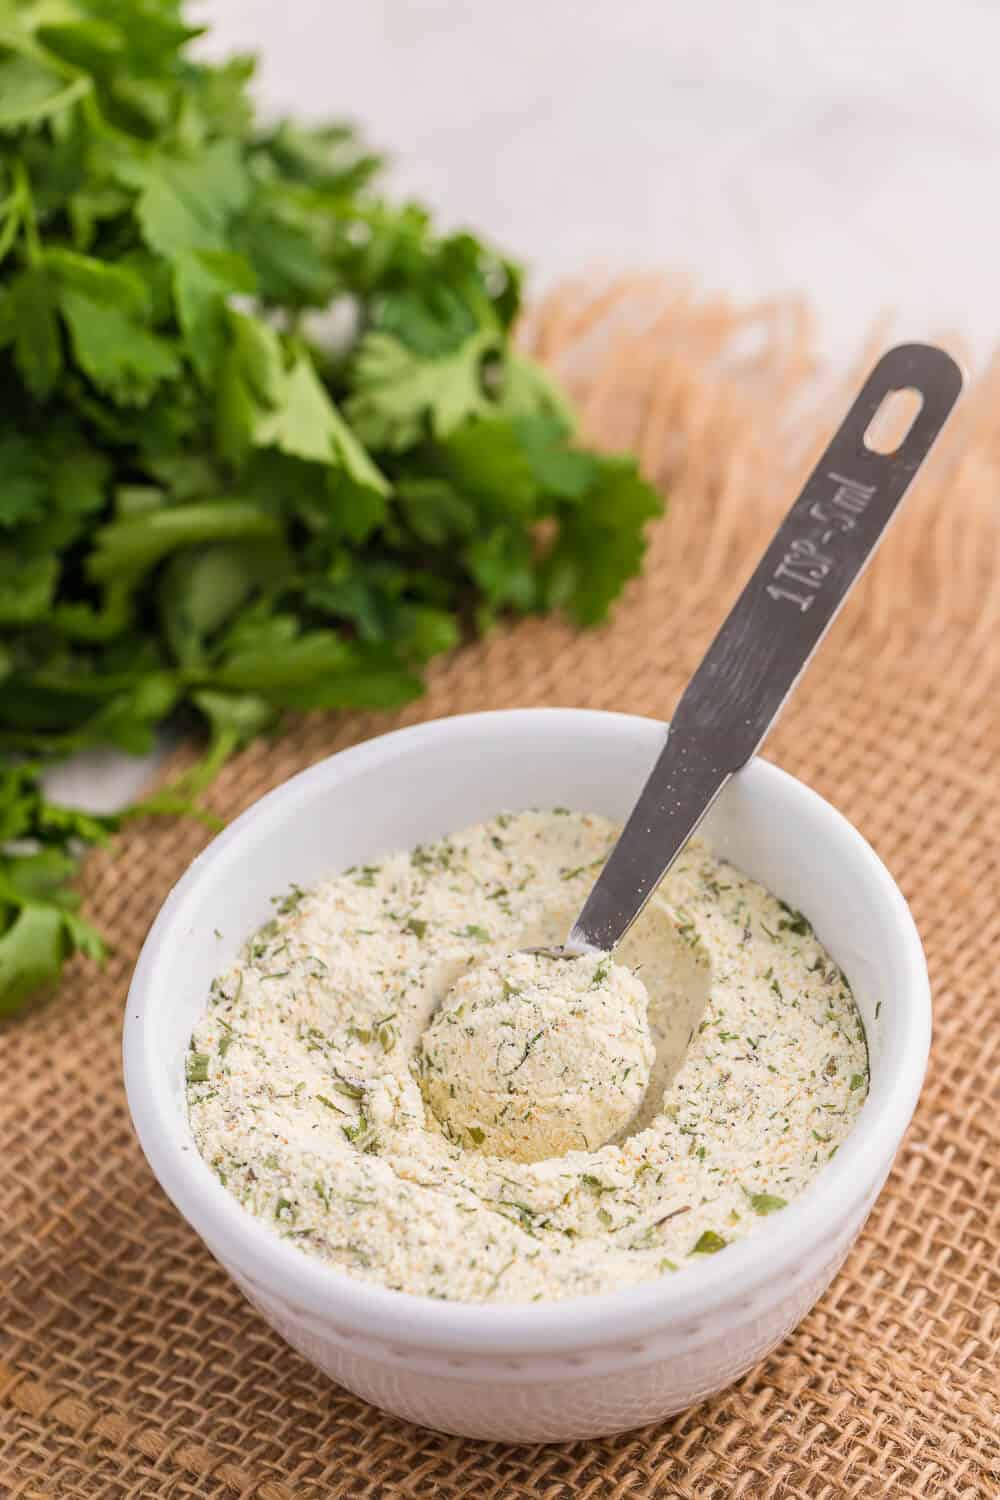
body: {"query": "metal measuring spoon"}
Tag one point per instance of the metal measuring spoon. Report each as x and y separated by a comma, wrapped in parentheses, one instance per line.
(817, 554)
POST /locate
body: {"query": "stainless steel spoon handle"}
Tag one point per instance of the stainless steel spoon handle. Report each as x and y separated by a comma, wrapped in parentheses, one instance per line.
(818, 552)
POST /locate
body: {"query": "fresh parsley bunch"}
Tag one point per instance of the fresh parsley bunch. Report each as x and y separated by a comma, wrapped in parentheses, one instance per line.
(210, 506)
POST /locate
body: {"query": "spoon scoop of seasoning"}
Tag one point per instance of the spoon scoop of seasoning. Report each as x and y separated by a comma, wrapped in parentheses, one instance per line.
(816, 556)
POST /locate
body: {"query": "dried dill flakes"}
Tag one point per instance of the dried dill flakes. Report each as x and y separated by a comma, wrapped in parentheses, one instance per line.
(793, 921)
(766, 1203)
(361, 1134)
(288, 902)
(347, 1088)
(595, 1184)
(428, 856)
(687, 929)
(197, 1067)
(322, 1099)
(529, 1044)
(524, 1213)
(326, 1101)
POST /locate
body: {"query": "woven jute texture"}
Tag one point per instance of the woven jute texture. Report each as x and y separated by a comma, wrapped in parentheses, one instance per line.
(131, 1367)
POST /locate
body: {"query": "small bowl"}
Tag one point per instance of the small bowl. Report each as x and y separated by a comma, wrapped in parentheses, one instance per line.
(588, 1366)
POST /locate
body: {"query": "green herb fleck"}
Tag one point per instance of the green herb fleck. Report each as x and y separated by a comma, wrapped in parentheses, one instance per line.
(290, 900)
(767, 1203)
(793, 921)
(197, 1067)
(708, 1243)
(527, 1050)
(329, 1104)
(595, 1184)
(362, 1134)
(347, 1088)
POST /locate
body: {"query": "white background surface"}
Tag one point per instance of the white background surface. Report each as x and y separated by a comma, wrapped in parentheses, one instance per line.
(847, 151)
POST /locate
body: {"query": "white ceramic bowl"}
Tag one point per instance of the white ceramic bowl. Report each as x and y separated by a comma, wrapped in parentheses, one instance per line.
(588, 1366)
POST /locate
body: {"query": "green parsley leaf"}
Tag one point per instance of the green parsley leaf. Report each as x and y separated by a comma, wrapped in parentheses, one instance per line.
(214, 503)
(34, 325)
(399, 396)
(600, 543)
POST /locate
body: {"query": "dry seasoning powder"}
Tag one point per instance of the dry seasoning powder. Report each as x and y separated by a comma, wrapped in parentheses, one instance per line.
(307, 1080)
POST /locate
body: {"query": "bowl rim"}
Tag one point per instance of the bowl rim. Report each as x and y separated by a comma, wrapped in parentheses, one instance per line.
(321, 1291)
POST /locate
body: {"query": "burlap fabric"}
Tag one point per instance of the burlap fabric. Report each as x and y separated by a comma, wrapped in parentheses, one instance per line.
(130, 1366)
